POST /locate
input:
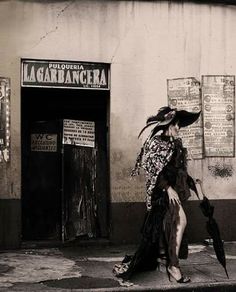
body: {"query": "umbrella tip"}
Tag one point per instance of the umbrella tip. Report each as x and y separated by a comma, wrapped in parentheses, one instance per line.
(226, 272)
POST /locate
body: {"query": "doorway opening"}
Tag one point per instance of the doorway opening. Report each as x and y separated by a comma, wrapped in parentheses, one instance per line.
(65, 188)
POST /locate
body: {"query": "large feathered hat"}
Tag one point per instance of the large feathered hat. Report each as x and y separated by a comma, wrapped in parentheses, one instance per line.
(166, 115)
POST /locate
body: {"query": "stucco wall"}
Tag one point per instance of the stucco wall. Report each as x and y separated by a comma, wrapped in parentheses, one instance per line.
(146, 42)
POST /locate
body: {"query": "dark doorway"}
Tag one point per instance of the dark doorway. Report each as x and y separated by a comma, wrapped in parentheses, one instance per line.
(64, 187)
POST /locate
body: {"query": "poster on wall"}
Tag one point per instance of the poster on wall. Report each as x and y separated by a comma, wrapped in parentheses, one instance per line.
(79, 133)
(185, 94)
(4, 119)
(218, 95)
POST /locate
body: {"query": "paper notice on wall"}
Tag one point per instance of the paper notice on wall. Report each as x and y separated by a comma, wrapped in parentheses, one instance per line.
(218, 95)
(44, 142)
(79, 133)
(4, 119)
(185, 94)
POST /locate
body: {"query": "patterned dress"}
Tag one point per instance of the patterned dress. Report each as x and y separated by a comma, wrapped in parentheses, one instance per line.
(164, 162)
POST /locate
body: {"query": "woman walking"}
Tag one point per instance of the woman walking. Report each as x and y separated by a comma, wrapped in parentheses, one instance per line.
(168, 184)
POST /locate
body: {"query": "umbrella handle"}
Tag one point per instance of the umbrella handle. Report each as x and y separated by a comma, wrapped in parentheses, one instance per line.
(198, 181)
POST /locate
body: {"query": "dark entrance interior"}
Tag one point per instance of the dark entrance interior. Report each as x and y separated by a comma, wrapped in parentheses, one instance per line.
(65, 189)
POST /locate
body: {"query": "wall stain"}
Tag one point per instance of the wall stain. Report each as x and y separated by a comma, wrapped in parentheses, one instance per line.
(123, 173)
(223, 171)
(117, 156)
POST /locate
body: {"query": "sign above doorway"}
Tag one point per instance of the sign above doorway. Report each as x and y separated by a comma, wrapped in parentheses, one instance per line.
(65, 74)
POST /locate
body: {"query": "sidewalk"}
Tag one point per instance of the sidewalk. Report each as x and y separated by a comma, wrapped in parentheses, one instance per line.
(90, 269)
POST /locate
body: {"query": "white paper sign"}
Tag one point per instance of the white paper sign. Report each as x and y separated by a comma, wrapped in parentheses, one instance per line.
(79, 133)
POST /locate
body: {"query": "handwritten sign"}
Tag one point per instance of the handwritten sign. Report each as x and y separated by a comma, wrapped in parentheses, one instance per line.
(40, 73)
(184, 94)
(44, 142)
(80, 133)
(218, 94)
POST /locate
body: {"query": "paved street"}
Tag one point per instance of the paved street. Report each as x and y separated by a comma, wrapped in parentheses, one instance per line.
(80, 268)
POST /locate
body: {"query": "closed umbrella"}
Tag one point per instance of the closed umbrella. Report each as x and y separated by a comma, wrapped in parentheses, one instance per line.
(213, 229)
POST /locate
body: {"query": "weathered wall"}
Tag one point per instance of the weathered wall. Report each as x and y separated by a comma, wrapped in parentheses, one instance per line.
(146, 42)
(175, 40)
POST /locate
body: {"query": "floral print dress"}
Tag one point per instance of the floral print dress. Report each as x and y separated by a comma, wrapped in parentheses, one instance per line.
(164, 162)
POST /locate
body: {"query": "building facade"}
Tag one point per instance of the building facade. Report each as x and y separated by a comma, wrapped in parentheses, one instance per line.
(122, 53)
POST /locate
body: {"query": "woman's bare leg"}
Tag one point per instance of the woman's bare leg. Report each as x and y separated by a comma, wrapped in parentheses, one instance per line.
(180, 228)
(179, 235)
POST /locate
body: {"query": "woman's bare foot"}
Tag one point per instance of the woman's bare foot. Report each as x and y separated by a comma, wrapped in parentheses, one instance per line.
(176, 274)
